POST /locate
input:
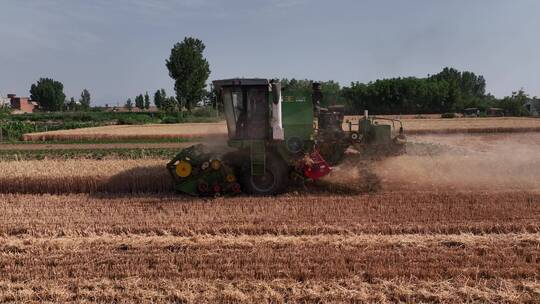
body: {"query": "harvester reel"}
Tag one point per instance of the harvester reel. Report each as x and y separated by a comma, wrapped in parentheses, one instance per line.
(196, 171)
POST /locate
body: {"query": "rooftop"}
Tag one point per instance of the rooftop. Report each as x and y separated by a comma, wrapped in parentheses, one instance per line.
(240, 81)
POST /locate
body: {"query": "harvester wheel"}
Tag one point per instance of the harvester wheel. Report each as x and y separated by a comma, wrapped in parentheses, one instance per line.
(274, 181)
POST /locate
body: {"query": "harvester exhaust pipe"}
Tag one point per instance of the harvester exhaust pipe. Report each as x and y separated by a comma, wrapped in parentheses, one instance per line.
(277, 121)
(366, 114)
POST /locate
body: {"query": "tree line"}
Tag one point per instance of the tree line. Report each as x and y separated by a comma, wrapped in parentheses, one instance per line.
(50, 96)
(446, 92)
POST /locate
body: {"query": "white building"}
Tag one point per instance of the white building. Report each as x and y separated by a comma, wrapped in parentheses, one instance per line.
(4, 101)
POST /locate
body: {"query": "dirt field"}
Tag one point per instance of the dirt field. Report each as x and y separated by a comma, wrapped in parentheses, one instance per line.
(455, 219)
(198, 130)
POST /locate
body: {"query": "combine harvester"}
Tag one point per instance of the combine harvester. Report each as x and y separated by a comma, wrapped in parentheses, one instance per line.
(276, 140)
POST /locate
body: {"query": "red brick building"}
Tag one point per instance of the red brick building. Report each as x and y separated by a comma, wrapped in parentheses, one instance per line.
(22, 104)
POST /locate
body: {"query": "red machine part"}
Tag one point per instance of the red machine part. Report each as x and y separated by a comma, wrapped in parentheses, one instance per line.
(216, 188)
(314, 166)
(236, 188)
(203, 187)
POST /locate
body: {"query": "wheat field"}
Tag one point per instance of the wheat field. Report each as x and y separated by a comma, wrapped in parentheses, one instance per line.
(127, 132)
(85, 176)
(205, 130)
(461, 224)
(392, 247)
(467, 125)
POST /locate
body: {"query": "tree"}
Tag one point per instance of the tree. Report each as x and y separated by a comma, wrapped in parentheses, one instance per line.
(85, 99)
(159, 98)
(129, 104)
(213, 98)
(466, 89)
(49, 94)
(190, 70)
(139, 101)
(515, 104)
(303, 88)
(146, 101)
(449, 90)
(169, 104)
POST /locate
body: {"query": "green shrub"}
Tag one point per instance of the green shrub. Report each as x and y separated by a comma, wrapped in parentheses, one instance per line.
(170, 120)
(135, 120)
(14, 126)
(204, 112)
(104, 118)
(448, 115)
(13, 130)
(4, 111)
(68, 126)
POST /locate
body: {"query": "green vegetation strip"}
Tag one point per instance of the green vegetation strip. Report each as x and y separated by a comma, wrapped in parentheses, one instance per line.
(12, 127)
(108, 141)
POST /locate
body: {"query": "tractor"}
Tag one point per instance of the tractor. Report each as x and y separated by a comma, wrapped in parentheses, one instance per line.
(275, 138)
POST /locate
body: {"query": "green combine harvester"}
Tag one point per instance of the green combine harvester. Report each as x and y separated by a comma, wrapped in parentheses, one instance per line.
(276, 139)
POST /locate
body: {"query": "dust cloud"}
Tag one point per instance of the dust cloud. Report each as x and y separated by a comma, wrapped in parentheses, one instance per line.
(449, 162)
(216, 145)
(353, 176)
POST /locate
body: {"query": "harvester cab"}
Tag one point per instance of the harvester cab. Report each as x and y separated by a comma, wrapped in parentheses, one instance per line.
(275, 140)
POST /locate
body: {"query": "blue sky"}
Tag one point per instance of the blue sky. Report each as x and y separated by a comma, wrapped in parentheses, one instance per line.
(117, 48)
